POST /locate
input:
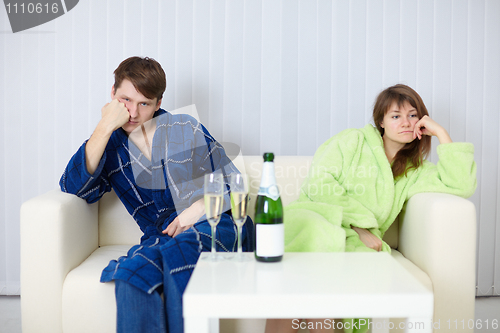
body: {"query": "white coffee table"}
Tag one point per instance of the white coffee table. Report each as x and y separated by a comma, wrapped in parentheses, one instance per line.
(307, 285)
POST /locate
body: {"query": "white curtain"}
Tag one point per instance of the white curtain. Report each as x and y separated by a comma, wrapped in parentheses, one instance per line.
(270, 75)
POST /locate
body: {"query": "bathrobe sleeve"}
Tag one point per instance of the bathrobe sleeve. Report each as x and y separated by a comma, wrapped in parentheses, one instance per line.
(78, 181)
(455, 172)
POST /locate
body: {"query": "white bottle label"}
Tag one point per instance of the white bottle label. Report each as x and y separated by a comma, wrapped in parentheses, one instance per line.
(270, 240)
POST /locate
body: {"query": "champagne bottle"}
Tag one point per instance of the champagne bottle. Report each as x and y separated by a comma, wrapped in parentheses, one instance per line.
(269, 227)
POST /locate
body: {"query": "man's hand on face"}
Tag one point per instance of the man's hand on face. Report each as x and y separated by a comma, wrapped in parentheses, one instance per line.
(114, 115)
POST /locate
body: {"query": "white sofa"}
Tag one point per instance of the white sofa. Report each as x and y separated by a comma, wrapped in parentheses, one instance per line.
(65, 244)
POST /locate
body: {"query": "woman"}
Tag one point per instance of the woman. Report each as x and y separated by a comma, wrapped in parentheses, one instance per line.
(360, 179)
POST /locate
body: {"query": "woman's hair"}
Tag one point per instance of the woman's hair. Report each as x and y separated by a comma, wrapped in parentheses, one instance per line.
(146, 75)
(413, 153)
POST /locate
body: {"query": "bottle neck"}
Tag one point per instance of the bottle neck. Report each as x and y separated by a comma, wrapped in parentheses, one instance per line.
(268, 176)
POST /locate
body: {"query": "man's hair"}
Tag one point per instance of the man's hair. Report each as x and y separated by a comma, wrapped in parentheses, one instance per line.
(413, 153)
(146, 75)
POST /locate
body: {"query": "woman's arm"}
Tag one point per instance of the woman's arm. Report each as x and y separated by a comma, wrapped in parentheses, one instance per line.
(455, 172)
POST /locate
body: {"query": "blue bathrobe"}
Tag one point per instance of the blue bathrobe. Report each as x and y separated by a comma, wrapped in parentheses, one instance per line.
(154, 192)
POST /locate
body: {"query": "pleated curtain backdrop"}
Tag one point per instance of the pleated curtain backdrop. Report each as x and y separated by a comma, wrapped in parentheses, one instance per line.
(267, 75)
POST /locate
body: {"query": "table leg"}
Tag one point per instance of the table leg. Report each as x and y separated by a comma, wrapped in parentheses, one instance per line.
(196, 325)
(214, 325)
(418, 325)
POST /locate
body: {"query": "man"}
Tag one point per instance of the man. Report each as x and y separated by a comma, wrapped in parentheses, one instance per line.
(155, 162)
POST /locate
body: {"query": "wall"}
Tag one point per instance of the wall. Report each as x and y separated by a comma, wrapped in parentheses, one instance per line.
(269, 75)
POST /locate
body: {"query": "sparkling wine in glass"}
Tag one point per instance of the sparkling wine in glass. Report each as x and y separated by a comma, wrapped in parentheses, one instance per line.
(214, 197)
(239, 204)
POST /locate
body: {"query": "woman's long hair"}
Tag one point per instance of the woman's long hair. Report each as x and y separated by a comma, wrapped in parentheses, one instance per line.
(413, 153)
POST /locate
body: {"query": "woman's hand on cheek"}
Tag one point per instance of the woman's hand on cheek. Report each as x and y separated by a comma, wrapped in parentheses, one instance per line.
(427, 126)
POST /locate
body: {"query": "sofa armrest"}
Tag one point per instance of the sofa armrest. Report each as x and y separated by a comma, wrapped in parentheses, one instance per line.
(58, 232)
(438, 234)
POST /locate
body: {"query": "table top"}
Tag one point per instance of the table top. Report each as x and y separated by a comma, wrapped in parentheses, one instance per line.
(307, 285)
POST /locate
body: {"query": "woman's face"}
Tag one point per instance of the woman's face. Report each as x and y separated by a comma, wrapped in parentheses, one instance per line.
(398, 124)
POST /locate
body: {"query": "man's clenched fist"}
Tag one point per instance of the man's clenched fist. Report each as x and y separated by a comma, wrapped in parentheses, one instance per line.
(114, 115)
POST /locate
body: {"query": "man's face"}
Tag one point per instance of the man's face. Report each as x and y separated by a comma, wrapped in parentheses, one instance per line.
(140, 108)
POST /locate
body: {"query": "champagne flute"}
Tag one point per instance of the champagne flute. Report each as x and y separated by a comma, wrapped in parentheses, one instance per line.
(239, 203)
(214, 197)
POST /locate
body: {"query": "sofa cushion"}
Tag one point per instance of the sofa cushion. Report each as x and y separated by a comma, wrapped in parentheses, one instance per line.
(116, 225)
(87, 304)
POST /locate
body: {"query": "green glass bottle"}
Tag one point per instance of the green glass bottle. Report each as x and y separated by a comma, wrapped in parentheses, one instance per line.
(269, 227)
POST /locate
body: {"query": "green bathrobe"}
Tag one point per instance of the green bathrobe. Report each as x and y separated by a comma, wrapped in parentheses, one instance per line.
(350, 183)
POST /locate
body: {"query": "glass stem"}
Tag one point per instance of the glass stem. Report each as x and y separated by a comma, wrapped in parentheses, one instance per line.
(240, 250)
(213, 240)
